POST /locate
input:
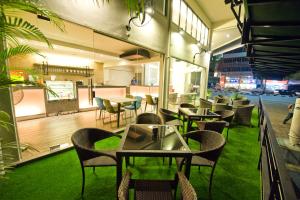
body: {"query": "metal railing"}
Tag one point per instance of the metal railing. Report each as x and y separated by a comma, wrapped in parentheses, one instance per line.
(276, 182)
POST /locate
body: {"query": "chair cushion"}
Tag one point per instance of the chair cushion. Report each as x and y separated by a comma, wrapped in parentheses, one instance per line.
(100, 161)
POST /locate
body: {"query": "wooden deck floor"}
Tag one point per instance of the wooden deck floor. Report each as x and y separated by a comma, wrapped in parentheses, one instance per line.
(47, 132)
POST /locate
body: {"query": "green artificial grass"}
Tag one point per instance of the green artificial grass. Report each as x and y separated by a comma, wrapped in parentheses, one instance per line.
(59, 177)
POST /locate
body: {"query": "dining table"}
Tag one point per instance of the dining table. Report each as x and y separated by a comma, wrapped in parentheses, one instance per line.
(119, 101)
(196, 114)
(151, 140)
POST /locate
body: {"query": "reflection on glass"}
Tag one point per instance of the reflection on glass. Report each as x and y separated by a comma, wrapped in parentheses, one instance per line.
(199, 26)
(206, 36)
(184, 83)
(189, 21)
(202, 34)
(153, 137)
(176, 11)
(194, 31)
(183, 15)
(152, 74)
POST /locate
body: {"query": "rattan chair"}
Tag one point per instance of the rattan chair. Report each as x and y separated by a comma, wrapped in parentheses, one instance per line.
(83, 141)
(186, 105)
(155, 189)
(186, 98)
(150, 101)
(217, 126)
(205, 104)
(173, 98)
(221, 107)
(222, 99)
(211, 145)
(227, 116)
(148, 118)
(241, 102)
(170, 118)
(243, 115)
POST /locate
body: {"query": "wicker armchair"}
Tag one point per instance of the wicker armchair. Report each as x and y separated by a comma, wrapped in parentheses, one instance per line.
(83, 141)
(148, 118)
(173, 98)
(227, 116)
(243, 115)
(217, 126)
(211, 145)
(205, 104)
(187, 105)
(169, 117)
(241, 102)
(221, 107)
(150, 189)
(222, 99)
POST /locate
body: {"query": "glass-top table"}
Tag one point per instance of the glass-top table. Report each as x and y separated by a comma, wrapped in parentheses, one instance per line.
(146, 140)
(197, 114)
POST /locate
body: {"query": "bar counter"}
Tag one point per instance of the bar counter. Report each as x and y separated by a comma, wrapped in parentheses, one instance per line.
(34, 103)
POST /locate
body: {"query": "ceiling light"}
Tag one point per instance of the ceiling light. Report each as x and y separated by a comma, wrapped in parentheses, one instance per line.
(227, 35)
(181, 31)
(149, 10)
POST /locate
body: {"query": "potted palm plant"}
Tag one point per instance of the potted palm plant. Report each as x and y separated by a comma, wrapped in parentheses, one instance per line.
(12, 28)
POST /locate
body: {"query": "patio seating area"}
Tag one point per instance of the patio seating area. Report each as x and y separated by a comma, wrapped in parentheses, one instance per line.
(59, 176)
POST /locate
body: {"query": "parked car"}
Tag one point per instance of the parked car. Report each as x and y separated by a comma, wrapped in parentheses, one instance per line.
(289, 92)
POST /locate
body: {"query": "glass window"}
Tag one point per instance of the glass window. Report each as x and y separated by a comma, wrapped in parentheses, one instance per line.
(202, 34)
(194, 31)
(206, 36)
(189, 21)
(184, 85)
(160, 6)
(199, 26)
(176, 11)
(152, 74)
(183, 13)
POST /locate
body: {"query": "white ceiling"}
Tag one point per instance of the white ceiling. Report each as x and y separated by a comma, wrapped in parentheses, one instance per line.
(216, 10)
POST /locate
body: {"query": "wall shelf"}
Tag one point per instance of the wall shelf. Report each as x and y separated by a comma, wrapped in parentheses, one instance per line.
(56, 69)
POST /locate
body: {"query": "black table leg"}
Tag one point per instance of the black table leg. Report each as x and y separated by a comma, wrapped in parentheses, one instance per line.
(119, 171)
(188, 125)
(135, 109)
(188, 166)
(118, 115)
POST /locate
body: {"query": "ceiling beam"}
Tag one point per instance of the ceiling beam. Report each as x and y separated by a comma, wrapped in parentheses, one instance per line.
(294, 68)
(264, 2)
(276, 46)
(253, 41)
(280, 24)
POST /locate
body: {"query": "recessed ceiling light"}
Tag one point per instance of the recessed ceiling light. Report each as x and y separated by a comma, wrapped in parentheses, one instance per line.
(227, 35)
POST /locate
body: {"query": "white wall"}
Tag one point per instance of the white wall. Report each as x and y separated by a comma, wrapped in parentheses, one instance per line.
(119, 75)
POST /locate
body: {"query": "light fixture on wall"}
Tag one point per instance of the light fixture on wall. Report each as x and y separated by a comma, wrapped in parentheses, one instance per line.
(181, 31)
(142, 16)
(199, 53)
